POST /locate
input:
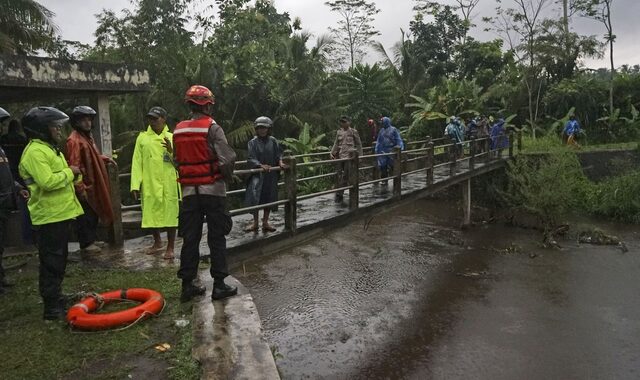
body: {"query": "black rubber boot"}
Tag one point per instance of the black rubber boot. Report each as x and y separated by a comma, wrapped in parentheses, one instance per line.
(222, 290)
(191, 290)
(54, 311)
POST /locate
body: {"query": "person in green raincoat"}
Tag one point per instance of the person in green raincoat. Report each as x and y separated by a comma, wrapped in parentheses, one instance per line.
(154, 180)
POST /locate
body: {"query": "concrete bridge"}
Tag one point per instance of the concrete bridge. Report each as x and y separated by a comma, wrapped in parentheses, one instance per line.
(427, 167)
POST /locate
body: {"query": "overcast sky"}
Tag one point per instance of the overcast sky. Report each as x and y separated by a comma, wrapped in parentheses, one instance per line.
(76, 20)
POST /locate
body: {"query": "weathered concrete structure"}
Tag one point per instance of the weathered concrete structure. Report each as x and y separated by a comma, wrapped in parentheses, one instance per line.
(44, 80)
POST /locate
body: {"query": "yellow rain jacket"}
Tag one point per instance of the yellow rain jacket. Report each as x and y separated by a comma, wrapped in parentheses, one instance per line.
(153, 174)
(50, 181)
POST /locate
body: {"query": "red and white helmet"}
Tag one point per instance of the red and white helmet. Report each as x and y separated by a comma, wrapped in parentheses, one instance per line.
(199, 95)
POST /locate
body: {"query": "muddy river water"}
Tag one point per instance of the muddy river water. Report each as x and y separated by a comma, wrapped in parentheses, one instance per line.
(407, 294)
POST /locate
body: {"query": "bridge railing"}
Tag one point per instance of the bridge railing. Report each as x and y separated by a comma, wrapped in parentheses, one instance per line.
(419, 156)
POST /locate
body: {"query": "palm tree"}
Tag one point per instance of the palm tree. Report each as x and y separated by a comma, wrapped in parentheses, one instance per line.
(25, 26)
(407, 71)
(302, 92)
(364, 92)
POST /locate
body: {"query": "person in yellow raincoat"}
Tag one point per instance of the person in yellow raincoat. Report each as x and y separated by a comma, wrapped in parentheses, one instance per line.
(154, 180)
(53, 205)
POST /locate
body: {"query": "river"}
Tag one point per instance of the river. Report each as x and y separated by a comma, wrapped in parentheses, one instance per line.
(407, 294)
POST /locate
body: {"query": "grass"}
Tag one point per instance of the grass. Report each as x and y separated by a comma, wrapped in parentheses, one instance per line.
(34, 349)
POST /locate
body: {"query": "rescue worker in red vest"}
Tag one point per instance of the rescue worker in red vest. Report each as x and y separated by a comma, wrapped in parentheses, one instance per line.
(204, 160)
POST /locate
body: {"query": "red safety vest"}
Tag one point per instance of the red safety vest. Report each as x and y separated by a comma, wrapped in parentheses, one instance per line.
(196, 163)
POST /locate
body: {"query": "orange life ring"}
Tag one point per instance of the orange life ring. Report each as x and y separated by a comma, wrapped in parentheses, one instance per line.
(79, 315)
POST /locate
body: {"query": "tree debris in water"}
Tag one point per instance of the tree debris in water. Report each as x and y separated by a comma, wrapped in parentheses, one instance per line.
(599, 237)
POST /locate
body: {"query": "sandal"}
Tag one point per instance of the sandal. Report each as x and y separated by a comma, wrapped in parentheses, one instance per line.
(152, 250)
(268, 228)
(251, 228)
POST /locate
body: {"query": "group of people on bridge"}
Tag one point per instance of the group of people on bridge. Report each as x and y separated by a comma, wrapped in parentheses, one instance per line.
(479, 127)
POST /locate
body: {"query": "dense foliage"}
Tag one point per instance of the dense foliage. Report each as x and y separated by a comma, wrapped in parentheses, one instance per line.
(260, 61)
(572, 193)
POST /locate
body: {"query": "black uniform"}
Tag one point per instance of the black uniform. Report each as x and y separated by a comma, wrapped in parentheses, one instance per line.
(8, 189)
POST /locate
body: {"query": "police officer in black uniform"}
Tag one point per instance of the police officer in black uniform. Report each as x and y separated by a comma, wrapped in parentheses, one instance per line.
(8, 190)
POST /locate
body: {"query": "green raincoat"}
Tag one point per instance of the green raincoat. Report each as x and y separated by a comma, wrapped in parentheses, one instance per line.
(153, 174)
(50, 181)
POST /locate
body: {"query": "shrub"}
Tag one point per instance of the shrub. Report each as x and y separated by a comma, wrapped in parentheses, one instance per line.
(617, 198)
(550, 186)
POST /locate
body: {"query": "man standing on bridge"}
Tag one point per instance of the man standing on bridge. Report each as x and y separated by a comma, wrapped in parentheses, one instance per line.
(205, 160)
(388, 138)
(347, 141)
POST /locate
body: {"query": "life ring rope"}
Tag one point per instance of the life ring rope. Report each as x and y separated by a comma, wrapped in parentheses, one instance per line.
(150, 304)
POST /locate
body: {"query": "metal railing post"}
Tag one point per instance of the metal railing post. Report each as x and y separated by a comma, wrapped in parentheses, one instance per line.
(397, 172)
(354, 181)
(291, 190)
(116, 234)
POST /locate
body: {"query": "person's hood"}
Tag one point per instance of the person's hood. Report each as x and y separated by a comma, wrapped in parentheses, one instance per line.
(386, 122)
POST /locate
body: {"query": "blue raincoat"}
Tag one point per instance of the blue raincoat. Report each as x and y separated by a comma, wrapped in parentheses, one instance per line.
(498, 142)
(572, 128)
(263, 187)
(388, 137)
(454, 131)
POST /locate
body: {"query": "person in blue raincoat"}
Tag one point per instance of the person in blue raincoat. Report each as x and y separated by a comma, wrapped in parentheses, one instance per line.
(263, 153)
(498, 137)
(454, 131)
(571, 131)
(388, 138)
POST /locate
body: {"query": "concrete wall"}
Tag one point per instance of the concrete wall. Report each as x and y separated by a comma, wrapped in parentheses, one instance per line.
(25, 78)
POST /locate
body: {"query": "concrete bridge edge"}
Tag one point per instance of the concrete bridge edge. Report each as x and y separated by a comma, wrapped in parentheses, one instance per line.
(227, 337)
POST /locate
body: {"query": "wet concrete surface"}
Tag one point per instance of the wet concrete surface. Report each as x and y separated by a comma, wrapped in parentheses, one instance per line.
(228, 340)
(408, 295)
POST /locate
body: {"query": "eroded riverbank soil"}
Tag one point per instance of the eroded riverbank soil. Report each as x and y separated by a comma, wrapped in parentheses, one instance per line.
(409, 295)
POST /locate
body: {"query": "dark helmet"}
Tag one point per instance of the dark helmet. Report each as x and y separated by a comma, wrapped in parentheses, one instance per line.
(81, 111)
(4, 115)
(263, 121)
(37, 120)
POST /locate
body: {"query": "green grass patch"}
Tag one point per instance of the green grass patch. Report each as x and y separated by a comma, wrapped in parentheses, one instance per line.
(34, 349)
(617, 198)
